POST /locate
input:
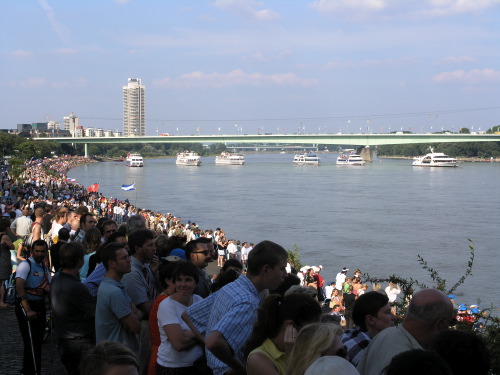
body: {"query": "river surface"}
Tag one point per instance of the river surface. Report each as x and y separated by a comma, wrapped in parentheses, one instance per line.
(376, 217)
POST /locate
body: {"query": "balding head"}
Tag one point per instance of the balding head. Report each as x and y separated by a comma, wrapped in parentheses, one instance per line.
(427, 305)
(429, 313)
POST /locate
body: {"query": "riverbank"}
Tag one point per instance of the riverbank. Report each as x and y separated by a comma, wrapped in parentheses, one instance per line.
(466, 160)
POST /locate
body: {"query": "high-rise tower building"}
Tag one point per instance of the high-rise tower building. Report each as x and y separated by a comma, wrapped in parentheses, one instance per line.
(134, 108)
(71, 123)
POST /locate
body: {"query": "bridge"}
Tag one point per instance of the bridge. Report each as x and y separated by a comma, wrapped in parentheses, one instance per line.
(313, 139)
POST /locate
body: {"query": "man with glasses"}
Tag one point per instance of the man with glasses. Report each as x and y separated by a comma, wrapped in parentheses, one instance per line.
(430, 312)
(199, 253)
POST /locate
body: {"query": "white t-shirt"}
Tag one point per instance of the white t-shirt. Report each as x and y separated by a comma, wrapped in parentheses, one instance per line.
(328, 291)
(55, 229)
(232, 248)
(339, 280)
(392, 294)
(169, 312)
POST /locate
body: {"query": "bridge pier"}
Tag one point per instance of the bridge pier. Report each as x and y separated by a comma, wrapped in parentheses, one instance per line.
(86, 148)
(366, 153)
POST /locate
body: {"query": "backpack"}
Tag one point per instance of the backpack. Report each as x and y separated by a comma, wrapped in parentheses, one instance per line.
(10, 295)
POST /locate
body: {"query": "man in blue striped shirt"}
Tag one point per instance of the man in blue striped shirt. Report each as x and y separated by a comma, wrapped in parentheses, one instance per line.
(226, 318)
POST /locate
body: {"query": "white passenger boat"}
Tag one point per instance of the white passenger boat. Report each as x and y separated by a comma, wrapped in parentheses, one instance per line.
(306, 159)
(435, 159)
(350, 159)
(188, 158)
(227, 158)
(134, 160)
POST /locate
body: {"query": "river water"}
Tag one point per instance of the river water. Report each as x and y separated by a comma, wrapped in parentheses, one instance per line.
(376, 217)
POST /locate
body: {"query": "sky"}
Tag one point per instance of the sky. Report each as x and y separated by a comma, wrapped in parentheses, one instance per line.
(245, 66)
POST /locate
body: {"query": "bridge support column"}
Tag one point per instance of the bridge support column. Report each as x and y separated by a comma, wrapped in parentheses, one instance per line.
(366, 153)
(86, 148)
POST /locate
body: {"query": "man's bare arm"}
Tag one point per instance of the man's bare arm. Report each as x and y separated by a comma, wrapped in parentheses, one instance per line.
(197, 334)
(217, 344)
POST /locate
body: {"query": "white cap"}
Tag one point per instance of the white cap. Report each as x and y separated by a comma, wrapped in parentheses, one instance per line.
(334, 365)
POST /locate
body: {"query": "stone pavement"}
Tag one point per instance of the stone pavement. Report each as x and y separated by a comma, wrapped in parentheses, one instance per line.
(11, 348)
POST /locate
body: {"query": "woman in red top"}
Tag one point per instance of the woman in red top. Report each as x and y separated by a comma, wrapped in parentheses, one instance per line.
(165, 277)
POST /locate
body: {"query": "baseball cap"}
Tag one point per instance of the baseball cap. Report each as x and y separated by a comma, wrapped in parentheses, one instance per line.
(176, 255)
(345, 269)
(451, 296)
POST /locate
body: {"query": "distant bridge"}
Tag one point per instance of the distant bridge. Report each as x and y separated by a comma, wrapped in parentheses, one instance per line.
(262, 139)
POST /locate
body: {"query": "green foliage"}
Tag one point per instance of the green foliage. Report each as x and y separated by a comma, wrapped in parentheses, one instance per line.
(494, 129)
(217, 148)
(464, 131)
(407, 284)
(468, 149)
(150, 151)
(294, 257)
(17, 166)
(491, 336)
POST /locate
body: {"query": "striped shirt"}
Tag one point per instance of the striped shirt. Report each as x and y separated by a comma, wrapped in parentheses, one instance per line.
(355, 342)
(232, 311)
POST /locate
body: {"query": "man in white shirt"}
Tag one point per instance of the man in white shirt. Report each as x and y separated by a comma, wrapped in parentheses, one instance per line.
(21, 226)
(232, 249)
(340, 278)
(244, 253)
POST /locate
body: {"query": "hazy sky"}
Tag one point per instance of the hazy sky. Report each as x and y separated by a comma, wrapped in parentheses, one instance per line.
(321, 66)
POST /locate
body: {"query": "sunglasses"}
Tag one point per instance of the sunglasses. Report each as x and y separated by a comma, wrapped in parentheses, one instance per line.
(206, 252)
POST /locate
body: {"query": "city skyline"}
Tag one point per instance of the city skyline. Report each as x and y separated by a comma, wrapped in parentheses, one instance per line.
(242, 66)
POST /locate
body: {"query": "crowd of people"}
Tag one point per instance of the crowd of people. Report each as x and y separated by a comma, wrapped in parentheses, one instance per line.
(128, 290)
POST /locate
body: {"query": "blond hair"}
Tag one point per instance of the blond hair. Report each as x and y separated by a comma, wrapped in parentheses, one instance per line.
(312, 341)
